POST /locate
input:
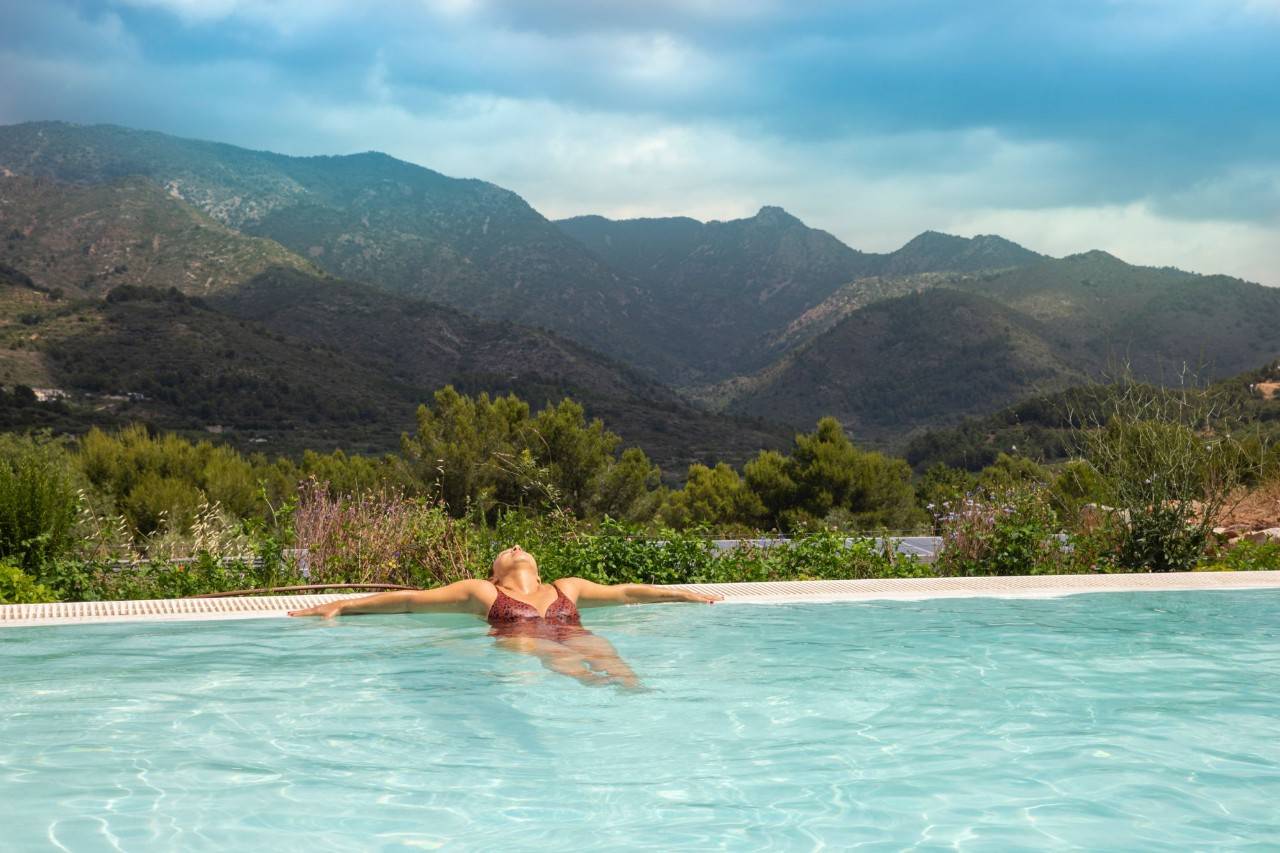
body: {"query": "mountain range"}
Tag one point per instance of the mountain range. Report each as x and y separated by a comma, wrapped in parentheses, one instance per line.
(403, 279)
(157, 312)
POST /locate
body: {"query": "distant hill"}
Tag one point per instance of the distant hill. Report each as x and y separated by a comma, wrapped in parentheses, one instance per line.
(252, 368)
(427, 346)
(85, 240)
(372, 218)
(971, 343)
(687, 302)
(164, 358)
(274, 345)
(722, 287)
(1045, 427)
(1107, 312)
(851, 297)
(933, 251)
(763, 318)
(730, 290)
(914, 360)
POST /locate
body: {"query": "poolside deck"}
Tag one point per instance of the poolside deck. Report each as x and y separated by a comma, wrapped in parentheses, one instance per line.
(1022, 586)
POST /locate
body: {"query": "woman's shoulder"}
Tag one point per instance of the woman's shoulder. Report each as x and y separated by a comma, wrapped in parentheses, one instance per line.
(473, 587)
(572, 586)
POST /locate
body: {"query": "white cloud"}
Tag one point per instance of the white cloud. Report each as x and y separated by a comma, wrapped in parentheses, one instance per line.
(1136, 234)
(871, 187)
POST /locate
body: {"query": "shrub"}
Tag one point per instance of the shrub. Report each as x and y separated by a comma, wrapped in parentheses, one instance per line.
(38, 501)
(112, 581)
(17, 587)
(1168, 458)
(376, 537)
(619, 553)
(1007, 531)
(820, 555)
(1244, 557)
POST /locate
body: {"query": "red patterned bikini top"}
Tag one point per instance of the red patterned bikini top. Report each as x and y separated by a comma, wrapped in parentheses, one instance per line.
(506, 610)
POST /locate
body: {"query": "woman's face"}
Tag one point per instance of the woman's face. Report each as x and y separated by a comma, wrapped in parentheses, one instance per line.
(513, 559)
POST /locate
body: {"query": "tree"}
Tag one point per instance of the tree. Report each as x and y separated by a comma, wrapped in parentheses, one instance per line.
(23, 396)
(471, 451)
(827, 477)
(768, 478)
(575, 453)
(628, 489)
(942, 485)
(489, 453)
(713, 497)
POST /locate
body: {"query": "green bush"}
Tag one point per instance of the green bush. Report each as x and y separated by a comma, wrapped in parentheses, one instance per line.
(820, 555)
(108, 581)
(1008, 531)
(619, 553)
(1244, 557)
(1170, 459)
(1160, 539)
(17, 587)
(38, 501)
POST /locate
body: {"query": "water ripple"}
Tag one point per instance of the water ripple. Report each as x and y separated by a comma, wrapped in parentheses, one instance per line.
(1116, 721)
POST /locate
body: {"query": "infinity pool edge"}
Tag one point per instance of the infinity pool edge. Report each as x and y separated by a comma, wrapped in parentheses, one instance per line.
(781, 592)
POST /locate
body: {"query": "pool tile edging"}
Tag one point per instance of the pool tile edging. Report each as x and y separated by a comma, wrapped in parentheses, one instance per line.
(1019, 586)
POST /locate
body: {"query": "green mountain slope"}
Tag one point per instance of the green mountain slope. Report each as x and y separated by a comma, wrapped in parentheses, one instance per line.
(722, 287)
(233, 365)
(1107, 312)
(84, 240)
(971, 343)
(914, 360)
(372, 218)
(263, 303)
(730, 291)
(427, 346)
(1046, 427)
(163, 358)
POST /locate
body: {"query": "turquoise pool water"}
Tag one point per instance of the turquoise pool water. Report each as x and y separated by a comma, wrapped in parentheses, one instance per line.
(1109, 721)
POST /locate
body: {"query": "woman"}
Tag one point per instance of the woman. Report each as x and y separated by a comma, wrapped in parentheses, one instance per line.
(527, 615)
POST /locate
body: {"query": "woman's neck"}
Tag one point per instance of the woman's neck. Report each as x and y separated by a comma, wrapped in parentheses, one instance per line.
(523, 582)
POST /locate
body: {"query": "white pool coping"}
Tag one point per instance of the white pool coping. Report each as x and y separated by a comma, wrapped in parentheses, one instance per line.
(911, 589)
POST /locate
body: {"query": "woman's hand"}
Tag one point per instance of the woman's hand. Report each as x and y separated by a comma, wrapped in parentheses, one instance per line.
(701, 598)
(325, 611)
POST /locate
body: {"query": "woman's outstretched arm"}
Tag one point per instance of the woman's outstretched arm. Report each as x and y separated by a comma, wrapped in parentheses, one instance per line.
(591, 594)
(460, 597)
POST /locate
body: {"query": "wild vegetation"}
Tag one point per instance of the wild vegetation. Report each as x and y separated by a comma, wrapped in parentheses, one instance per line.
(132, 513)
(179, 369)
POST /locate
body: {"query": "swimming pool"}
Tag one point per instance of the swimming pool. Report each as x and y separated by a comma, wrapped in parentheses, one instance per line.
(1116, 720)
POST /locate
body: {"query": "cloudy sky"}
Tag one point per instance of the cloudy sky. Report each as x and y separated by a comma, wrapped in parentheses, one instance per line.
(1150, 128)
